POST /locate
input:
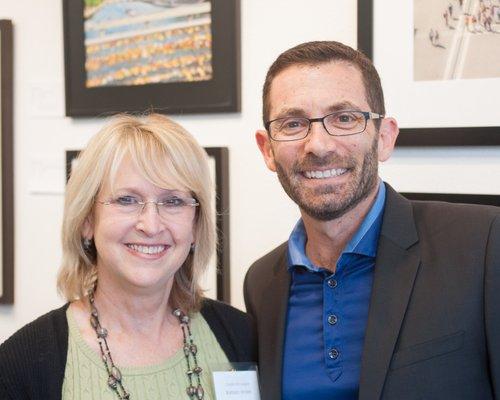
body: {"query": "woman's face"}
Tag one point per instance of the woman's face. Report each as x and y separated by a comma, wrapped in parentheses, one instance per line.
(140, 246)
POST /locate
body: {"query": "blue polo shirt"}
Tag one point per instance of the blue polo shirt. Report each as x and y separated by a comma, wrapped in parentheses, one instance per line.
(327, 314)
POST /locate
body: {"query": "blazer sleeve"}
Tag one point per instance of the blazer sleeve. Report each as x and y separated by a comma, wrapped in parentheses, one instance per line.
(492, 303)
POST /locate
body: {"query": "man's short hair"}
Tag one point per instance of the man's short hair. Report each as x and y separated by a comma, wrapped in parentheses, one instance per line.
(320, 52)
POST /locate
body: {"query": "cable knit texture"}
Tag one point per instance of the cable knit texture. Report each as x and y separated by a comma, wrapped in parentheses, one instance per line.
(85, 376)
(33, 360)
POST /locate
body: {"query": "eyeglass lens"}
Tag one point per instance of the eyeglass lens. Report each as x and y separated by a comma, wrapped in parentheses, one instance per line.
(338, 124)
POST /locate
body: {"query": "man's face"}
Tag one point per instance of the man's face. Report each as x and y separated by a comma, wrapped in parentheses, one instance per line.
(325, 175)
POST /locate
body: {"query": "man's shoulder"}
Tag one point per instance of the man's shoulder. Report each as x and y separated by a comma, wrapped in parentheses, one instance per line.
(468, 214)
(267, 262)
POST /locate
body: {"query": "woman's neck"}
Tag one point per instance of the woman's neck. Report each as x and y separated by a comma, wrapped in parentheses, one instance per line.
(137, 312)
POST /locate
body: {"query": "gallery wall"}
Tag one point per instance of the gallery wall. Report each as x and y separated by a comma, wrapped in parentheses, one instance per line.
(261, 216)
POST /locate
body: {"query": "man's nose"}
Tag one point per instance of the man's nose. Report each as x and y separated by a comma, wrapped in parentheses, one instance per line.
(319, 141)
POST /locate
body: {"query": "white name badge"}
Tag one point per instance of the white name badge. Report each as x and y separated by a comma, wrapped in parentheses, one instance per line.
(236, 385)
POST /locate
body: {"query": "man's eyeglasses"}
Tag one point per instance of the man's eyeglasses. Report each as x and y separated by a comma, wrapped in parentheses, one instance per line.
(340, 123)
(166, 207)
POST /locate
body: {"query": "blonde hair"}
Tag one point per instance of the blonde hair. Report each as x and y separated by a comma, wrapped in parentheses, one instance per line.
(169, 157)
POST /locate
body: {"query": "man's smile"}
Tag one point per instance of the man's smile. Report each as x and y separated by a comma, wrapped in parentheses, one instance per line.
(325, 173)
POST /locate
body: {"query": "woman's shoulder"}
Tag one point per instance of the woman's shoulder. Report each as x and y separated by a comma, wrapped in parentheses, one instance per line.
(40, 344)
(233, 329)
(53, 322)
(210, 306)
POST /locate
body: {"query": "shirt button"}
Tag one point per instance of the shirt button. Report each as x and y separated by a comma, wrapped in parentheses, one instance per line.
(332, 283)
(332, 319)
(333, 354)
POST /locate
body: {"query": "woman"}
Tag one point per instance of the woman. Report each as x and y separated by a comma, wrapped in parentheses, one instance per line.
(137, 234)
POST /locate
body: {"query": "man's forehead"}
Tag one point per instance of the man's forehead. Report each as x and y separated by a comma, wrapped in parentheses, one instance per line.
(333, 83)
(331, 68)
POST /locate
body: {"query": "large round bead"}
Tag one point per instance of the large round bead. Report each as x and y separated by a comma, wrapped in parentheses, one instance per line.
(177, 312)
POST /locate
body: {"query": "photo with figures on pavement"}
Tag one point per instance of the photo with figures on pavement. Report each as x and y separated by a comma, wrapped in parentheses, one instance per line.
(456, 39)
(132, 42)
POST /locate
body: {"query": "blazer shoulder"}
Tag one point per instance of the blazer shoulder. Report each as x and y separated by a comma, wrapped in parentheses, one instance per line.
(232, 328)
(268, 262)
(470, 216)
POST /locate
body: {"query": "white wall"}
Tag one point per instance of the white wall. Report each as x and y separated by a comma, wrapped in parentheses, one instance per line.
(261, 215)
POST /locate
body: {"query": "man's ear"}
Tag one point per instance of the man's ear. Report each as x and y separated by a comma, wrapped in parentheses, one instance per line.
(265, 148)
(388, 134)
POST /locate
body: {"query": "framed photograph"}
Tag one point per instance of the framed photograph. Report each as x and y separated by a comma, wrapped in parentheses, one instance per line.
(6, 164)
(170, 56)
(438, 62)
(216, 281)
(485, 199)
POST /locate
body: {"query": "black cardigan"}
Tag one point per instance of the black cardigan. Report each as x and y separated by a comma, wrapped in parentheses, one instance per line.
(33, 360)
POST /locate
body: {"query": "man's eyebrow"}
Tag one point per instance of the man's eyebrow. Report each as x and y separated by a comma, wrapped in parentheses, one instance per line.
(290, 112)
(299, 112)
(343, 105)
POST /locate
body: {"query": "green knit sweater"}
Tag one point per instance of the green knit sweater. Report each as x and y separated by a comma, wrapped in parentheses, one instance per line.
(86, 378)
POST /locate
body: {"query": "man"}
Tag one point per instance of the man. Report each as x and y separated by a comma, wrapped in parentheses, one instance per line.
(373, 296)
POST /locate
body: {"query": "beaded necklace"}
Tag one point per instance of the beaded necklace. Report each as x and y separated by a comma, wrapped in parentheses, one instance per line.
(194, 390)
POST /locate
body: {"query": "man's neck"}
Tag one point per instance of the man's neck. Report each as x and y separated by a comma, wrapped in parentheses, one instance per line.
(327, 239)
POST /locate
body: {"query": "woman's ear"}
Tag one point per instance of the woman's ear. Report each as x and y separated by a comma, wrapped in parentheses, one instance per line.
(88, 227)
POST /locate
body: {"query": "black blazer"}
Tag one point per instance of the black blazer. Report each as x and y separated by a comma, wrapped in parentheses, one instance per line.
(33, 360)
(433, 330)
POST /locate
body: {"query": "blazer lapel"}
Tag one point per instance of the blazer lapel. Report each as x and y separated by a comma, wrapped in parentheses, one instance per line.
(272, 329)
(395, 271)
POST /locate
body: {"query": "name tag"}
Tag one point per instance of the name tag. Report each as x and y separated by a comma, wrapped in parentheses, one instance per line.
(236, 385)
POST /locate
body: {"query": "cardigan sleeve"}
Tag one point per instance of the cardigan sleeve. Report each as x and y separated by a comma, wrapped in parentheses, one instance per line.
(233, 329)
(32, 361)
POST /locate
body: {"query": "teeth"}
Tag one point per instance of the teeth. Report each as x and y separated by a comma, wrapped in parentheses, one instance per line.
(146, 249)
(325, 174)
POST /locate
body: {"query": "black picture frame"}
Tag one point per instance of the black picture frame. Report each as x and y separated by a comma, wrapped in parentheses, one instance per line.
(221, 181)
(221, 157)
(438, 136)
(485, 199)
(7, 162)
(219, 94)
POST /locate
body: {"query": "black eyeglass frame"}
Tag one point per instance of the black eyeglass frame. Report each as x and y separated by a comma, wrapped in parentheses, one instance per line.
(366, 114)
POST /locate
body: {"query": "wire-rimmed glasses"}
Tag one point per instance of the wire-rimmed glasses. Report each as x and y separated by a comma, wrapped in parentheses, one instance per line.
(339, 123)
(166, 206)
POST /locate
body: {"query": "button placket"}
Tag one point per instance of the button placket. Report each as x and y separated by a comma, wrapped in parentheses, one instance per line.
(330, 319)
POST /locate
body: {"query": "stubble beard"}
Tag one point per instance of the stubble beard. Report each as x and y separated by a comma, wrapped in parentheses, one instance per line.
(330, 202)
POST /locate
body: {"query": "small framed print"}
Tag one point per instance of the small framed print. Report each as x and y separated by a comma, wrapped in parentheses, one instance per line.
(173, 57)
(438, 62)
